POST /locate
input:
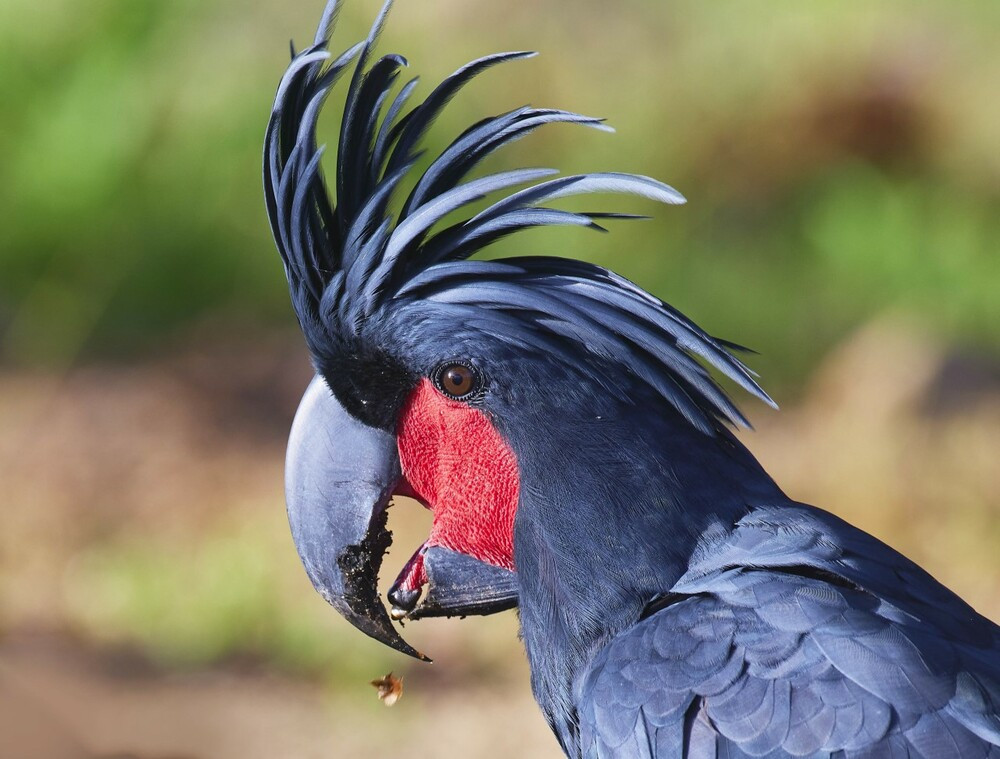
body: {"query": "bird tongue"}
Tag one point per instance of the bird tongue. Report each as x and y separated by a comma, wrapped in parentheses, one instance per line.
(408, 585)
(406, 590)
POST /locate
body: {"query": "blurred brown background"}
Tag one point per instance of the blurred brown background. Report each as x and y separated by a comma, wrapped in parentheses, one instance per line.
(844, 219)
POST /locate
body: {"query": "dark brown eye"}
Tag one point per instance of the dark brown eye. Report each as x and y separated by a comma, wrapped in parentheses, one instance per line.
(457, 380)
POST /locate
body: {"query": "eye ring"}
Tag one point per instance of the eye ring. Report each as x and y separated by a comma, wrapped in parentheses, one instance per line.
(458, 380)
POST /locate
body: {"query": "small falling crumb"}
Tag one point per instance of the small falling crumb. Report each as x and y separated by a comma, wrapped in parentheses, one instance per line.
(390, 688)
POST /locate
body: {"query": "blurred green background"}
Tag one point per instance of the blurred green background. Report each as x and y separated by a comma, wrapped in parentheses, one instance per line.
(843, 180)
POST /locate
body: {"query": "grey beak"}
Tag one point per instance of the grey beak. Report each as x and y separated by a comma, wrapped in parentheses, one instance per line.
(460, 586)
(339, 477)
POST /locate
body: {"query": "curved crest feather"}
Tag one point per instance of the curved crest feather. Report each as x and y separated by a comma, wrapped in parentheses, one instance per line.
(347, 258)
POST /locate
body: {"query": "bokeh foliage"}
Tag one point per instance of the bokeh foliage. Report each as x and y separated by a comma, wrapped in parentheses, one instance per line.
(839, 158)
(840, 163)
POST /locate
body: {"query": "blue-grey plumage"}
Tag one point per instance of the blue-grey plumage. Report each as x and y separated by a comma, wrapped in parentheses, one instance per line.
(673, 601)
(798, 635)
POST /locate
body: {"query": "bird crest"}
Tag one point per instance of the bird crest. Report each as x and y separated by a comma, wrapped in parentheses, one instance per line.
(351, 260)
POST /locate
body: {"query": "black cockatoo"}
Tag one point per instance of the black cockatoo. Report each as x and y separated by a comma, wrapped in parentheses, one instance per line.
(577, 455)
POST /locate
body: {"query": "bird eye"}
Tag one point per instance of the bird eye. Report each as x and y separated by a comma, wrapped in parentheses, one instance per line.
(458, 381)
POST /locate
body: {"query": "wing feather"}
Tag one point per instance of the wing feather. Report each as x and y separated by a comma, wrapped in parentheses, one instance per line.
(787, 661)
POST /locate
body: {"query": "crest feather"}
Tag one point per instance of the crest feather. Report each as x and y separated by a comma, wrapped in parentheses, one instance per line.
(348, 260)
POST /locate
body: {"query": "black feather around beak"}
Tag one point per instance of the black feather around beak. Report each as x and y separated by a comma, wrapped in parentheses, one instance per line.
(339, 477)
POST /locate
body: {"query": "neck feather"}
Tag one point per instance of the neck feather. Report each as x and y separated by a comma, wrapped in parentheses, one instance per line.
(610, 513)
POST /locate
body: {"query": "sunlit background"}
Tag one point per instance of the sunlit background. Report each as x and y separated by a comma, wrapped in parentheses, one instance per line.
(843, 177)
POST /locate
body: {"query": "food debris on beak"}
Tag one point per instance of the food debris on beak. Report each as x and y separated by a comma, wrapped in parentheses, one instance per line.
(390, 688)
(339, 478)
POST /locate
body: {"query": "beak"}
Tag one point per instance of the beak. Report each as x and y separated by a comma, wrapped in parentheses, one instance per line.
(459, 586)
(339, 477)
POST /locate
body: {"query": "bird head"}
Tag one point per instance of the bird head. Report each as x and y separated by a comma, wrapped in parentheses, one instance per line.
(435, 372)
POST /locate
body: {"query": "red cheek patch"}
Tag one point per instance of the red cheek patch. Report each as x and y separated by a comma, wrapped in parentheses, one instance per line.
(459, 465)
